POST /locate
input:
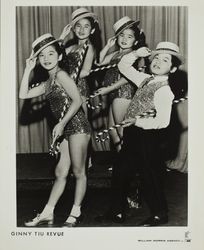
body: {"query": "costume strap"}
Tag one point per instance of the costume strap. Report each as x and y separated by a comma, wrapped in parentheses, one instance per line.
(82, 56)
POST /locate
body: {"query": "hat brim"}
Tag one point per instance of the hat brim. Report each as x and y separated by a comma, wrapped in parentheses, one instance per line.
(127, 26)
(43, 47)
(156, 52)
(90, 14)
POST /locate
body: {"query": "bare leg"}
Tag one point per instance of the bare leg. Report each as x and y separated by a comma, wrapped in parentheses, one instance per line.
(78, 145)
(61, 173)
(119, 109)
(85, 109)
(113, 133)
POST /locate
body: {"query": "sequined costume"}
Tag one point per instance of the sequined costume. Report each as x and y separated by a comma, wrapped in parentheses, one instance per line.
(70, 63)
(56, 95)
(143, 100)
(112, 75)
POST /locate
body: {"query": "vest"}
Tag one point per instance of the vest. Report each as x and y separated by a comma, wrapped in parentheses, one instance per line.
(143, 100)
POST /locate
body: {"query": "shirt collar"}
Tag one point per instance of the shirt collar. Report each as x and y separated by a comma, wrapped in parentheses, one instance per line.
(159, 78)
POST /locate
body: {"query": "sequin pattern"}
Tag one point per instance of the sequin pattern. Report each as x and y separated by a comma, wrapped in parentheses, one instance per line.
(143, 100)
(56, 96)
(70, 62)
(112, 75)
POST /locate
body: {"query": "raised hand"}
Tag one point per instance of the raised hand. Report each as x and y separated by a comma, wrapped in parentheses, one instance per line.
(31, 62)
(65, 31)
(111, 41)
(143, 52)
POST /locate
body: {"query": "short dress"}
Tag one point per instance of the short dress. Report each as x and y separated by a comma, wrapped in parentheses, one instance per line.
(71, 62)
(112, 75)
(57, 96)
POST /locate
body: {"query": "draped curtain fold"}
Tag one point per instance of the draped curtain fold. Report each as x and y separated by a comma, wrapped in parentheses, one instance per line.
(159, 23)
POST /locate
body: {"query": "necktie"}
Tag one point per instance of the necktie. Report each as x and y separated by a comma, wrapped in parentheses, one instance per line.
(82, 55)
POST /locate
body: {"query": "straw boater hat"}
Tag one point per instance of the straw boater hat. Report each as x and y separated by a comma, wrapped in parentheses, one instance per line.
(42, 42)
(123, 24)
(169, 48)
(81, 13)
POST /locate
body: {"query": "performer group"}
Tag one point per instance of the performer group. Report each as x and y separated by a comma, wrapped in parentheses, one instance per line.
(136, 83)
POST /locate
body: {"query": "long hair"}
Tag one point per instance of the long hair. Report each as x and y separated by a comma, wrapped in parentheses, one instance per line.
(95, 38)
(139, 36)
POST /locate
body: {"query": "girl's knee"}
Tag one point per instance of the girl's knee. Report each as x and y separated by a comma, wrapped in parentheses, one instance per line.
(61, 173)
(79, 172)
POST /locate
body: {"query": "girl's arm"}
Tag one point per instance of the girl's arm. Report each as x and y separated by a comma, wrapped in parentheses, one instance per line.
(25, 92)
(70, 87)
(107, 59)
(104, 58)
(88, 61)
(64, 35)
(106, 90)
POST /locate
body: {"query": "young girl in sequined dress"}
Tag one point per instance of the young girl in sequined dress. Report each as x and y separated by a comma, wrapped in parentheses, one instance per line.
(72, 127)
(84, 26)
(128, 37)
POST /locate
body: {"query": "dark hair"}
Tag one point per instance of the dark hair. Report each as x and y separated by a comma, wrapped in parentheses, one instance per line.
(175, 61)
(141, 42)
(58, 48)
(95, 38)
(139, 36)
(39, 73)
(178, 82)
(60, 51)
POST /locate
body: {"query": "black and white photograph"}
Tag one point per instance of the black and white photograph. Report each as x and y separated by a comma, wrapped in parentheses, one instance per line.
(100, 141)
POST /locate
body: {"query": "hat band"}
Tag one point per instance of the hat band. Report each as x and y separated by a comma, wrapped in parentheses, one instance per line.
(123, 26)
(80, 14)
(168, 50)
(43, 43)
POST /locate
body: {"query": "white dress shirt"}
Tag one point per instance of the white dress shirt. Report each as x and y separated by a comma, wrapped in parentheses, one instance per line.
(162, 99)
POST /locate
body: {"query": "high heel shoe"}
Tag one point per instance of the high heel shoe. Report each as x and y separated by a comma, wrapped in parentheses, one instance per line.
(40, 220)
(74, 223)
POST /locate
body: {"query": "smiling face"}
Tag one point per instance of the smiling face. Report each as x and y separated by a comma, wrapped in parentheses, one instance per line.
(126, 39)
(48, 58)
(83, 29)
(161, 64)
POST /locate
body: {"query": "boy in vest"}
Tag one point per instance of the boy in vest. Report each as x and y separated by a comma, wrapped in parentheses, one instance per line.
(141, 150)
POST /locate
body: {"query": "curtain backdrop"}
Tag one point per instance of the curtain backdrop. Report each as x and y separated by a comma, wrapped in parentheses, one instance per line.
(159, 23)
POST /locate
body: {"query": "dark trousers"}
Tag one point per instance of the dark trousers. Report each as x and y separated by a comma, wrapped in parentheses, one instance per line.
(140, 153)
